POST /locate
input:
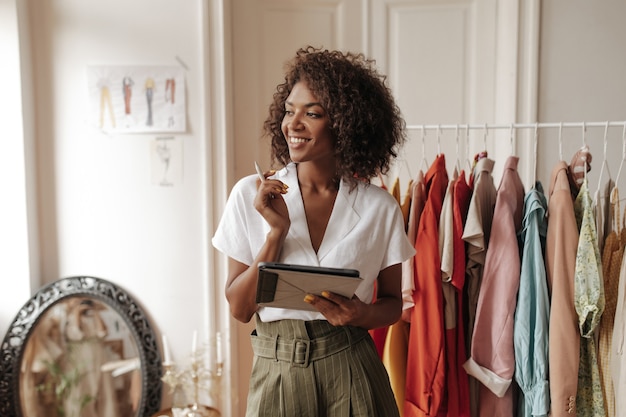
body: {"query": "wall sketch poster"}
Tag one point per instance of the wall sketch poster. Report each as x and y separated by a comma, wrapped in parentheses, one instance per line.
(137, 99)
(166, 154)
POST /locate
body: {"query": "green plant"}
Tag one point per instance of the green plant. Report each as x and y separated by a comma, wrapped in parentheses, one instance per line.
(61, 382)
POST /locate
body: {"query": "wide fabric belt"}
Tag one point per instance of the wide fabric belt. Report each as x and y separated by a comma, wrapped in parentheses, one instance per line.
(300, 352)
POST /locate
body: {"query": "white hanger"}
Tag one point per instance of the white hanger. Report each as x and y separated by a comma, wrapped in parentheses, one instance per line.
(457, 164)
(469, 158)
(621, 164)
(424, 166)
(604, 162)
(560, 141)
(439, 139)
(485, 137)
(536, 136)
(584, 132)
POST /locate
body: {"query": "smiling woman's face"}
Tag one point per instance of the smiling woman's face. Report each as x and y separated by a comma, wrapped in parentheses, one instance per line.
(306, 126)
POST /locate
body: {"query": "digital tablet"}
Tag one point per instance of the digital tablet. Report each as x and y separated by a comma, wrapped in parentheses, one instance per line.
(285, 285)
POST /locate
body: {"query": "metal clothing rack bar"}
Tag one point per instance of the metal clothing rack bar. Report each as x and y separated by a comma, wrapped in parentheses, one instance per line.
(540, 125)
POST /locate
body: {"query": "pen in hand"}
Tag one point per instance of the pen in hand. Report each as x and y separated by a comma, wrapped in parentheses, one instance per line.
(259, 171)
(282, 190)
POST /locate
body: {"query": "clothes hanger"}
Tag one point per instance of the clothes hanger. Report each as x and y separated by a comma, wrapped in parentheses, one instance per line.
(621, 164)
(605, 164)
(584, 132)
(468, 158)
(408, 168)
(536, 139)
(438, 139)
(560, 141)
(457, 163)
(424, 166)
(511, 139)
(485, 138)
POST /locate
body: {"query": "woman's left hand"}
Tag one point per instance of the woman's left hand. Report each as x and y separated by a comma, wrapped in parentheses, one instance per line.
(338, 310)
(385, 310)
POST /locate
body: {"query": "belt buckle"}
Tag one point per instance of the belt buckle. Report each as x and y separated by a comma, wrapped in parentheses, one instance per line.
(294, 351)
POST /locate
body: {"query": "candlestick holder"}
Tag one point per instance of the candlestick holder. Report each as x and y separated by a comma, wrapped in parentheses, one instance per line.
(193, 380)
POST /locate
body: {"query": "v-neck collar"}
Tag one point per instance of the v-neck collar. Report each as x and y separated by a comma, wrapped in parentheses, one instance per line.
(342, 220)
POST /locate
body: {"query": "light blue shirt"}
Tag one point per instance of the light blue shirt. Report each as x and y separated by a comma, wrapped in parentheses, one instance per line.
(532, 314)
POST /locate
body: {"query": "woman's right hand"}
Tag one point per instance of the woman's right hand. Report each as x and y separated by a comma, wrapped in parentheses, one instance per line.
(242, 279)
(270, 204)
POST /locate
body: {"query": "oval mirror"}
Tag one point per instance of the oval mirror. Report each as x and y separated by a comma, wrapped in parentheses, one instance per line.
(81, 346)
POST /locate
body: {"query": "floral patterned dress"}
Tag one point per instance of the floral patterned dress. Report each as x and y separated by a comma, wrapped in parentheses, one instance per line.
(589, 304)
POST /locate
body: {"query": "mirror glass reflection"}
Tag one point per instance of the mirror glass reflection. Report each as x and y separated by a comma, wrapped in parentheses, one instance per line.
(80, 360)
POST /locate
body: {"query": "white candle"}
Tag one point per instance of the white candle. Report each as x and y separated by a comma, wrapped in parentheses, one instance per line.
(207, 354)
(194, 341)
(167, 360)
(218, 343)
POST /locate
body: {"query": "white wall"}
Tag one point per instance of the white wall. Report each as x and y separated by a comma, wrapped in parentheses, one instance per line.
(581, 79)
(16, 252)
(98, 212)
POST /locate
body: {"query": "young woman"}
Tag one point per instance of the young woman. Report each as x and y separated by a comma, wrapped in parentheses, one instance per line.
(333, 125)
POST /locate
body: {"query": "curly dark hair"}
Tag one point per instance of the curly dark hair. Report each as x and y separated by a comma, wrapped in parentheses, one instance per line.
(365, 121)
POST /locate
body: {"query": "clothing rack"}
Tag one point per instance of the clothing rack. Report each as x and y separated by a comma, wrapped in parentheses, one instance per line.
(539, 125)
(512, 126)
(465, 128)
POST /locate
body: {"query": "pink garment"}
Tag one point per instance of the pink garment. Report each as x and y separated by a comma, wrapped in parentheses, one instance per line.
(564, 337)
(476, 234)
(492, 356)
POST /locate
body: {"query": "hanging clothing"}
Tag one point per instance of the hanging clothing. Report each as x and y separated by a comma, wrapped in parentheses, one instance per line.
(397, 344)
(564, 338)
(418, 200)
(425, 383)
(379, 335)
(602, 212)
(533, 310)
(476, 235)
(492, 359)
(449, 405)
(589, 303)
(396, 347)
(611, 262)
(618, 353)
(405, 204)
(395, 359)
(457, 379)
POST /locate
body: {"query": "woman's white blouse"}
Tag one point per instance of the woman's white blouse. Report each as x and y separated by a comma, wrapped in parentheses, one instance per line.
(365, 232)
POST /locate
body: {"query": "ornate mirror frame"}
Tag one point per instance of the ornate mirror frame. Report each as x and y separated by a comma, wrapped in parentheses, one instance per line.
(14, 343)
